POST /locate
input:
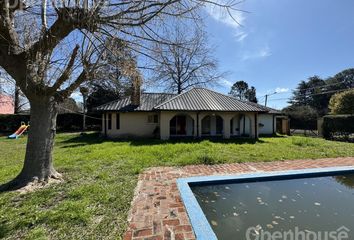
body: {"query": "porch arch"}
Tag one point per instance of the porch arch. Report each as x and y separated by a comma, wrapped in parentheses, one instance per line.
(212, 125)
(181, 125)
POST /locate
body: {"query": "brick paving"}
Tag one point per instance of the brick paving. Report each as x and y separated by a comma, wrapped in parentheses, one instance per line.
(157, 211)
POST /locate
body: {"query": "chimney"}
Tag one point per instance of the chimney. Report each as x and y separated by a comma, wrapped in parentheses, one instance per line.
(135, 90)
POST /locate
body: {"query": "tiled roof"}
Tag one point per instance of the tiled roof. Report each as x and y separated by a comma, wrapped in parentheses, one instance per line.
(201, 99)
(147, 102)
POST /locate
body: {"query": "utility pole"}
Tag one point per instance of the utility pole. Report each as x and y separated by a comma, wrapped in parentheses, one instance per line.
(266, 98)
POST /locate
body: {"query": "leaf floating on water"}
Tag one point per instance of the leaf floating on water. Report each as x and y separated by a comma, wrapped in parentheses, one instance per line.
(258, 227)
(214, 223)
(270, 226)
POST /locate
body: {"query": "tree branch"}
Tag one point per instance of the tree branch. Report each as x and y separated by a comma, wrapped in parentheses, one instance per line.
(67, 72)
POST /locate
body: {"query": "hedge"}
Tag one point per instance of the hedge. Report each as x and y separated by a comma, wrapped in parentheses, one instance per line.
(338, 126)
(65, 122)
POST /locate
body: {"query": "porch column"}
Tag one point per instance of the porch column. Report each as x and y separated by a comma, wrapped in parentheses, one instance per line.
(195, 124)
(200, 118)
(254, 124)
(165, 118)
(227, 118)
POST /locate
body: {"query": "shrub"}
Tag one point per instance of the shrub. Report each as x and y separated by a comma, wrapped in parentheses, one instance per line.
(342, 103)
(65, 122)
(302, 117)
(338, 126)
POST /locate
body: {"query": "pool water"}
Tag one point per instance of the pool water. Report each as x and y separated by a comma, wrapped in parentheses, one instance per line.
(311, 204)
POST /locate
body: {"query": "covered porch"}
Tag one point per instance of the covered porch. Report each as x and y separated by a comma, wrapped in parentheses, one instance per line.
(208, 124)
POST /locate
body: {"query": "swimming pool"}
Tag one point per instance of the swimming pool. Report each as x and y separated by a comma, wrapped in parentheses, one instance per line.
(230, 207)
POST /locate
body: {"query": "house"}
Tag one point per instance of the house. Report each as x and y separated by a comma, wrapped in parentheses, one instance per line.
(6, 104)
(199, 112)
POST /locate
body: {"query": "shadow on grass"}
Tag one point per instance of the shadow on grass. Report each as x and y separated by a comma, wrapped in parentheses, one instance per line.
(96, 138)
(3, 231)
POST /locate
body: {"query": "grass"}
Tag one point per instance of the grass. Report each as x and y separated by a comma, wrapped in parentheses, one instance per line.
(100, 177)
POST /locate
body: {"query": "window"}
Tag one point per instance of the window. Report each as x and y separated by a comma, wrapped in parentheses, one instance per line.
(117, 121)
(109, 120)
(153, 118)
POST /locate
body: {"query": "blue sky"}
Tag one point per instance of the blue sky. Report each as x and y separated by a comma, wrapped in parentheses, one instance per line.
(282, 42)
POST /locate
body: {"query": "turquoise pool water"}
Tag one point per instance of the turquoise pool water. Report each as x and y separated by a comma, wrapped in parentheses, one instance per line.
(310, 204)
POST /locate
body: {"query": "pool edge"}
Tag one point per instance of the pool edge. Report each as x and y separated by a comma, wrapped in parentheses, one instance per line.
(199, 222)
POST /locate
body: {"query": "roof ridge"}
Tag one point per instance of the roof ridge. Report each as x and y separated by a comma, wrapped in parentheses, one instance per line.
(169, 100)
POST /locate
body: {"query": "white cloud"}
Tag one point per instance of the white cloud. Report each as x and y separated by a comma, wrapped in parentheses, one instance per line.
(261, 53)
(226, 82)
(233, 19)
(281, 90)
(240, 36)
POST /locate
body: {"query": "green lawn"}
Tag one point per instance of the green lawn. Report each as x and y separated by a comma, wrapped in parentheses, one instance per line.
(100, 177)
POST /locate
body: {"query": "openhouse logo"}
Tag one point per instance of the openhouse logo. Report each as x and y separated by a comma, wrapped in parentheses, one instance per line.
(256, 233)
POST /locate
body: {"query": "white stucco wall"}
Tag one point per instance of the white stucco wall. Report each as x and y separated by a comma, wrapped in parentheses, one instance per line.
(267, 121)
(136, 124)
(132, 124)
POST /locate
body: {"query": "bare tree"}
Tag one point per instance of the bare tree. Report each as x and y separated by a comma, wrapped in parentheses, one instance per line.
(55, 49)
(187, 62)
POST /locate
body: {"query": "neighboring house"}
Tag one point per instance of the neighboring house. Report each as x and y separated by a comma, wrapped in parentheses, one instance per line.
(6, 104)
(198, 112)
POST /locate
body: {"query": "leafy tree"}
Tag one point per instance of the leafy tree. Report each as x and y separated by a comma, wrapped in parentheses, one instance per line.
(241, 91)
(310, 93)
(342, 103)
(250, 95)
(100, 94)
(50, 48)
(68, 106)
(342, 80)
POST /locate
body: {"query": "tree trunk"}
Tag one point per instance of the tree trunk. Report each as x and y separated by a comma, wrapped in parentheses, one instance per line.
(38, 165)
(17, 99)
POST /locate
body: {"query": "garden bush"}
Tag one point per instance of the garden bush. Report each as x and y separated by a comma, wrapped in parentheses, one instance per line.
(339, 127)
(65, 122)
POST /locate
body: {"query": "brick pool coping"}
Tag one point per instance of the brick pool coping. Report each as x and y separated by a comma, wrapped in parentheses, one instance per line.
(157, 211)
